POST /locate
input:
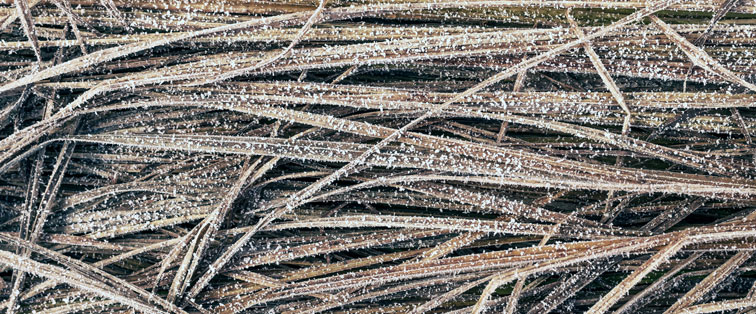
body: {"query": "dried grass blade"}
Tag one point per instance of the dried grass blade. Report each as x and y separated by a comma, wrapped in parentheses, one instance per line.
(22, 10)
(710, 282)
(619, 290)
(700, 57)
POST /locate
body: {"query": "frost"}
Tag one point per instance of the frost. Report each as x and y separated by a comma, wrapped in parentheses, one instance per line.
(377, 156)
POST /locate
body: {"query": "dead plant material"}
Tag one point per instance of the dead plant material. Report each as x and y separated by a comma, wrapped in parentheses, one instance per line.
(377, 156)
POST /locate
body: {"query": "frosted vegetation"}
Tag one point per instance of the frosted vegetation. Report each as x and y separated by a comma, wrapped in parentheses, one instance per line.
(377, 156)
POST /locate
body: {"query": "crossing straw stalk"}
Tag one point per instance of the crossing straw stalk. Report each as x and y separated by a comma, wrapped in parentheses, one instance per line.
(377, 156)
